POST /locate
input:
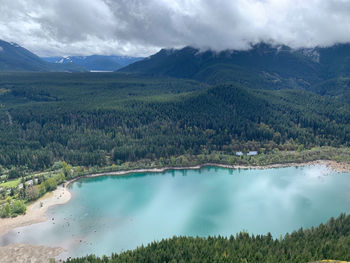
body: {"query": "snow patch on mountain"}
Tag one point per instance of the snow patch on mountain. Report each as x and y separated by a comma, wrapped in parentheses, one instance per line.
(14, 44)
(312, 53)
(95, 62)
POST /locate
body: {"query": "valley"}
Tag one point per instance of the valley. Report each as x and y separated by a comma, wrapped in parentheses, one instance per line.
(287, 110)
(182, 131)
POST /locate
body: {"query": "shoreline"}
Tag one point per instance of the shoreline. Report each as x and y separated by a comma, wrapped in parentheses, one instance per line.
(36, 213)
(334, 165)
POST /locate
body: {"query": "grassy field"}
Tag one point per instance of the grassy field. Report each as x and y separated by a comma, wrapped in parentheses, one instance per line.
(11, 183)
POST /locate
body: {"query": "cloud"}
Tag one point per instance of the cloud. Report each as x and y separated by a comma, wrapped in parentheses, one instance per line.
(141, 27)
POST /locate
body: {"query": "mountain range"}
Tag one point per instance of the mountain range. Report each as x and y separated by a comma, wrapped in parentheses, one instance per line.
(13, 57)
(95, 62)
(16, 58)
(324, 70)
(270, 66)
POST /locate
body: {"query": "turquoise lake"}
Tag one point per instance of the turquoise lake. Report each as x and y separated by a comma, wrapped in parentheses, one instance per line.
(115, 213)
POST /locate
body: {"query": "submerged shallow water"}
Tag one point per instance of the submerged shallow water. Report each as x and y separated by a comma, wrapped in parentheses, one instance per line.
(112, 214)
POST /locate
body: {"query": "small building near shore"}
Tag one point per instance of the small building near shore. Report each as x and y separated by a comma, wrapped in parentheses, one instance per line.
(252, 153)
(30, 182)
(239, 153)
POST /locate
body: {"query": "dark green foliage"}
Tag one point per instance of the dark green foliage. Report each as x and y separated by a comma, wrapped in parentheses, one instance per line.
(336, 87)
(18, 207)
(100, 119)
(12, 209)
(328, 241)
(336, 60)
(15, 173)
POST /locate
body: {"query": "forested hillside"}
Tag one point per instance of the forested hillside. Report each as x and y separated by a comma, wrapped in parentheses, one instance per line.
(98, 119)
(328, 241)
(282, 62)
(262, 66)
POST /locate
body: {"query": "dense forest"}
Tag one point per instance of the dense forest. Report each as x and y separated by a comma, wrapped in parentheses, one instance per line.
(102, 119)
(68, 124)
(327, 241)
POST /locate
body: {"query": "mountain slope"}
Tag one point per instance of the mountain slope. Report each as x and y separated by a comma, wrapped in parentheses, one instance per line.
(95, 62)
(279, 62)
(335, 60)
(263, 65)
(16, 58)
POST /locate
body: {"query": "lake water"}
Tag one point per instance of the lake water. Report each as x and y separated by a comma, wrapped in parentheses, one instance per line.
(112, 214)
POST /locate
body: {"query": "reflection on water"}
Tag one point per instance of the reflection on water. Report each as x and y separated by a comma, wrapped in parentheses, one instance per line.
(112, 214)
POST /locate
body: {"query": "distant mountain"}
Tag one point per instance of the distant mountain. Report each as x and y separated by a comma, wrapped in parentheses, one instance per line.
(264, 64)
(95, 62)
(16, 58)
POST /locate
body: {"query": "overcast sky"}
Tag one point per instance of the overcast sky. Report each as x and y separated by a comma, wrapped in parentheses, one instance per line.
(142, 27)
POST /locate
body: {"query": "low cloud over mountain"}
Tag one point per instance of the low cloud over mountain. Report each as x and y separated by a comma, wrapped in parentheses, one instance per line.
(139, 28)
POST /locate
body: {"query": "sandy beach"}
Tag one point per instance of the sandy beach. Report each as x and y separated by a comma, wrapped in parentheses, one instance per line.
(36, 212)
(19, 253)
